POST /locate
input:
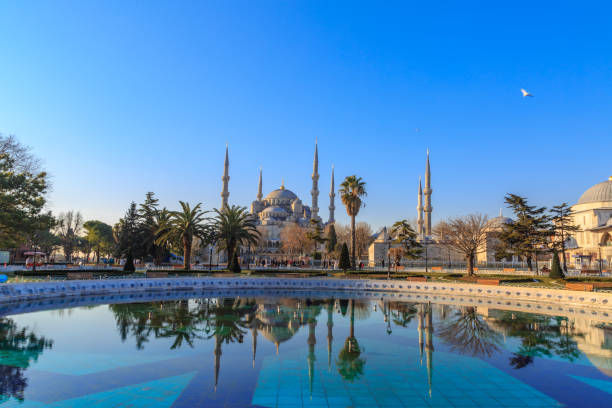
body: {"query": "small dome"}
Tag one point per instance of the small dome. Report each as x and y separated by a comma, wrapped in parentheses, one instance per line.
(599, 192)
(275, 212)
(498, 222)
(281, 194)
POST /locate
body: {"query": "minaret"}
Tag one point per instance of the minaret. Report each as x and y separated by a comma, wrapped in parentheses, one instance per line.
(312, 340)
(225, 178)
(420, 210)
(427, 192)
(420, 328)
(429, 348)
(332, 196)
(314, 209)
(260, 186)
(330, 336)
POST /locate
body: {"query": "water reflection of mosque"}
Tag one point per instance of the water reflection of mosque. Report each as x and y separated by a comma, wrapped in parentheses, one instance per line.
(470, 330)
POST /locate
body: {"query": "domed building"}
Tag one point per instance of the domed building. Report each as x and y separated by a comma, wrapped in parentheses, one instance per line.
(487, 253)
(593, 215)
(282, 207)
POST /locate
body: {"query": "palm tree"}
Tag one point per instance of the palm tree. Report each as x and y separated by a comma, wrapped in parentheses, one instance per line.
(351, 191)
(184, 226)
(234, 226)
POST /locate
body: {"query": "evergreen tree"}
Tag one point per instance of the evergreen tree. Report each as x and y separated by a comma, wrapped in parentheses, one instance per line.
(23, 189)
(345, 261)
(332, 239)
(528, 234)
(555, 270)
(403, 234)
(562, 228)
(127, 235)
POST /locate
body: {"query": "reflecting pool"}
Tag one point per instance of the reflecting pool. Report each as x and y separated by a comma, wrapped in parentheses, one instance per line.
(246, 351)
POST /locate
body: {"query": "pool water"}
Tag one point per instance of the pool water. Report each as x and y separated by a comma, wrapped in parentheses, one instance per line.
(301, 352)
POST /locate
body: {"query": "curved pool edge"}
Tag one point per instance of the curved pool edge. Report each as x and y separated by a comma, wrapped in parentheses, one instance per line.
(32, 291)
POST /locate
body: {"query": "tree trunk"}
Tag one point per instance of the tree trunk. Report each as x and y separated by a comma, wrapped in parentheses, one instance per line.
(353, 260)
(470, 264)
(186, 253)
(563, 251)
(529, 264)
(98, 255)
(536, 263)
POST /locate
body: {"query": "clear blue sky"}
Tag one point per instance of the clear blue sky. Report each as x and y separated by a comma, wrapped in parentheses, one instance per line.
(123, 97)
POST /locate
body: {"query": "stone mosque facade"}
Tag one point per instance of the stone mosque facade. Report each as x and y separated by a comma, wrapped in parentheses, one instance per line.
(593, 216)
(282, 207)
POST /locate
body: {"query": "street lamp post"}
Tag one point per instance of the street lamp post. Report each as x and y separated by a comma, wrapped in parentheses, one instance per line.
(600, 268)
(389, 259)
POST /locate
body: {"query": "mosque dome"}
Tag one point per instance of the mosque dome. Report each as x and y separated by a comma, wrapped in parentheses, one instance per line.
(599, 192)
(281, 194)
(499, 222)
(277, 212)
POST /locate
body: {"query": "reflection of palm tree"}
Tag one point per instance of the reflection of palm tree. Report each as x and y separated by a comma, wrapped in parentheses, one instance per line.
(183, 326)
(468, 333)
(350, 364)
(403, 313)
(23, 346)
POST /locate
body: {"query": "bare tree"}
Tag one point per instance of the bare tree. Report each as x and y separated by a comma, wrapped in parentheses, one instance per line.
(294, 240)
(24, 160)
(363, 238)
(343, 234)
(466, 235)
(68, 228)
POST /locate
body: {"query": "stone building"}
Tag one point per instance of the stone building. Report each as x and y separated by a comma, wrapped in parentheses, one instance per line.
(593, 216)
(283, 207)
(487, 252)
(379, 249)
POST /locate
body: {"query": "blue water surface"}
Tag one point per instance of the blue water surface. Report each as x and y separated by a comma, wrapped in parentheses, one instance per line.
(301, 352)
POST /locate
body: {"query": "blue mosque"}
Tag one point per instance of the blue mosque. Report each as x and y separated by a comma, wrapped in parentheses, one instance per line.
(282, 207)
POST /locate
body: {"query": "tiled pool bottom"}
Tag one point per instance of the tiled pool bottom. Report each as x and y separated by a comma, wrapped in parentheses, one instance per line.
(278, 352)
(393, 380)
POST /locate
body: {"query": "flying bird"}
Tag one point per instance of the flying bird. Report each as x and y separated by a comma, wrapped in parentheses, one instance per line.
(525, 93)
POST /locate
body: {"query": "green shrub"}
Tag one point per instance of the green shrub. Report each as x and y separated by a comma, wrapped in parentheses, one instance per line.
(555, 270)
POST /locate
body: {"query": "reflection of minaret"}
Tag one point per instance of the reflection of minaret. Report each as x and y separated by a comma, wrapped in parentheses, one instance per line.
(254, 342)
(225, 178)
(217, 359)
(314, 210)
(330, 337)
(260, 186)
(332, 196)
(420, 328)
(429, 348)
(427, 192)
(420, 210)
(312, 340)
